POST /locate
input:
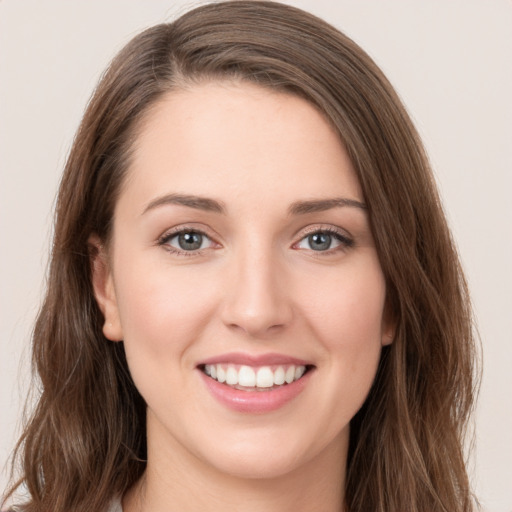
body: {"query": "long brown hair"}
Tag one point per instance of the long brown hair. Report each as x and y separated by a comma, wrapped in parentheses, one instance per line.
(85, 441)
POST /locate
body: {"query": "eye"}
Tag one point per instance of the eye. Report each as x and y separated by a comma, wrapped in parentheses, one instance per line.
(323, 241)
(186, 240)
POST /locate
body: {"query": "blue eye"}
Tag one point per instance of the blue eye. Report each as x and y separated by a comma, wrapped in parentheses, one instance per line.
(322, 241)
(187, 241)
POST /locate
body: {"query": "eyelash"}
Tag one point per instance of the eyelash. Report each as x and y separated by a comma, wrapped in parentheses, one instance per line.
(345, 242)
(168, 236)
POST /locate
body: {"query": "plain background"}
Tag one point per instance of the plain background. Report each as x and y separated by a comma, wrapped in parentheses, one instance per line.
(451, 62)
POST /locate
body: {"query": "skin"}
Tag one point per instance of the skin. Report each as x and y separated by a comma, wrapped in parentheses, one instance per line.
(257, 286)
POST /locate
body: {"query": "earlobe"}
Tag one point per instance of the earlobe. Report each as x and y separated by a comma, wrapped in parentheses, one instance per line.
(387, 337)
(389, 324)
(104, 291)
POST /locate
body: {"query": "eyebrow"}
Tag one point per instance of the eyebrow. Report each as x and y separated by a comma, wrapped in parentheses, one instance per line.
(212, 205)
(196, 202)
(321, 205)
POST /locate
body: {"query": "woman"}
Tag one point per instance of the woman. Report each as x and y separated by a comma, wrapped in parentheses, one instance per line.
(254, 299)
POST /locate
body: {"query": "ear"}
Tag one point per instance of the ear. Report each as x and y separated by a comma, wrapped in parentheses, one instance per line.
(387, 337)
(388, 325)
(104, 291)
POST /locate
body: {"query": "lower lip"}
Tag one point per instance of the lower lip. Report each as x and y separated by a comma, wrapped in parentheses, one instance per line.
(255, 401)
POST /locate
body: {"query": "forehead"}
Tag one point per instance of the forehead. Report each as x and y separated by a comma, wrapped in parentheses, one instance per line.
(224, 140)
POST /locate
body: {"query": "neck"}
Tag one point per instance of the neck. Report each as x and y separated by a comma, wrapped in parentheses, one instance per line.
(175, 480)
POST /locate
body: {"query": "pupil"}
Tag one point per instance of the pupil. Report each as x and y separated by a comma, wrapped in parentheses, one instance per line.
(190, 241)
(320, 241)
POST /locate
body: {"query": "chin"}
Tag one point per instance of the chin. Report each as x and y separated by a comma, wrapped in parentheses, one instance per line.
(269, 455)
(263, 467)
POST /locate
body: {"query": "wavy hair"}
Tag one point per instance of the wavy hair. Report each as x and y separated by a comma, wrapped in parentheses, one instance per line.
(85, 440)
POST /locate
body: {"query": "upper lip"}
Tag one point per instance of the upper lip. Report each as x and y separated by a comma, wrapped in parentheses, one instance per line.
(255, 360)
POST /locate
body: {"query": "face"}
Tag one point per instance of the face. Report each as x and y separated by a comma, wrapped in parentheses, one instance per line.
(243, 278)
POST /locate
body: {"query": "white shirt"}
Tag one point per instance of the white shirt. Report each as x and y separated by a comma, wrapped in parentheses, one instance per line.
(115, 505)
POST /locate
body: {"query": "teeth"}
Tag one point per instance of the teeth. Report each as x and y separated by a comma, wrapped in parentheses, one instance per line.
(248, 377)
(265, 377)
(231, 376)
(221, 374)
(279, 376)
(299, 372)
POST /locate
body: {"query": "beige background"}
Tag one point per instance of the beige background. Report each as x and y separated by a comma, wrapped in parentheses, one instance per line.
(451, 63)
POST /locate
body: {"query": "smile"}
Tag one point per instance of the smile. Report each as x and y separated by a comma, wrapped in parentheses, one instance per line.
(255, 384)
(248, 378)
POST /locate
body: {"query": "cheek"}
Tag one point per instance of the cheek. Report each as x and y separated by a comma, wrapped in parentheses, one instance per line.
(346, 316)
(163, 312)
(347, 307)
(162, 309)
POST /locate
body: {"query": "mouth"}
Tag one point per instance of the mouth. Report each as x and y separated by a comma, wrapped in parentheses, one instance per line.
(262, 378)
(255, 384)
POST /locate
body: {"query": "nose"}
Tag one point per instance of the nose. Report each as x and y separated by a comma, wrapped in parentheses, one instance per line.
(256, 297)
